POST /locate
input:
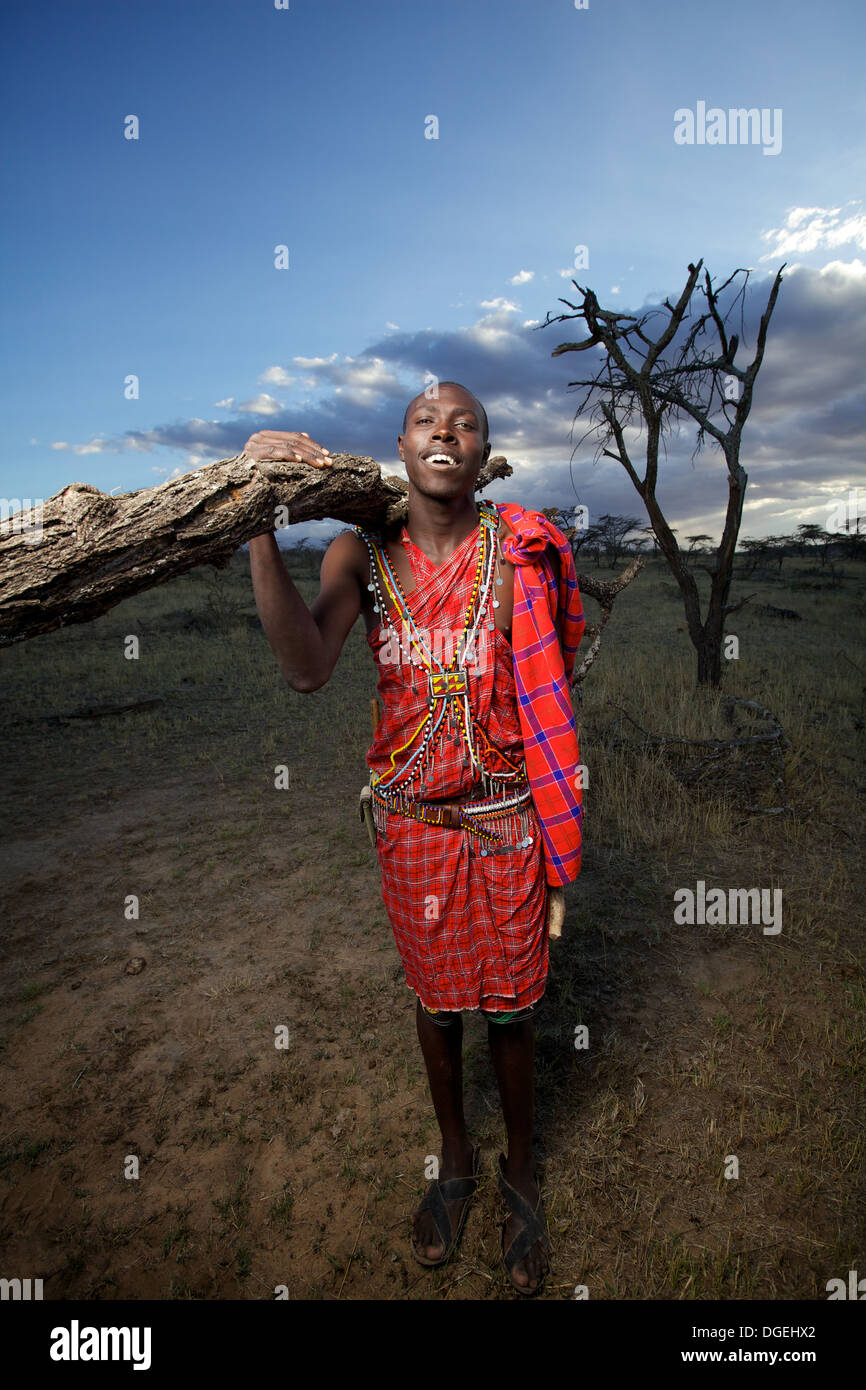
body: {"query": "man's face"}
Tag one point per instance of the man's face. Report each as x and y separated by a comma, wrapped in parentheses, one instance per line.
(448, 427)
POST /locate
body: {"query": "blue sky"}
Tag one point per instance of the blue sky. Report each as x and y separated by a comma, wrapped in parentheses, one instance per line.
(306, 127)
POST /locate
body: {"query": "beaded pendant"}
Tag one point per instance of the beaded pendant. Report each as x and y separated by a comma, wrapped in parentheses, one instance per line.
(447, 687)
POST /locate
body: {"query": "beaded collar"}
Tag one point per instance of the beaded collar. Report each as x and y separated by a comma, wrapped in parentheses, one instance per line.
(448, 686)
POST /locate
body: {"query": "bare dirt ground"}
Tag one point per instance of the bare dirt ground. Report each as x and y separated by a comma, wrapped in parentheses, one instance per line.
(261, 1167)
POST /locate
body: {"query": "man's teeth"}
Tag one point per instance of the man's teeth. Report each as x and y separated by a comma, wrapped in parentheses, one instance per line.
(442, 458)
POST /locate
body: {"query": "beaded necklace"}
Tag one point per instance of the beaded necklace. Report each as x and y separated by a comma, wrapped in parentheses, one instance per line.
(447, 687)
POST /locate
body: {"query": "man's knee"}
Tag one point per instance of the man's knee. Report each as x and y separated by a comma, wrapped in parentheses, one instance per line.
(501, 1019)
(440, 1017)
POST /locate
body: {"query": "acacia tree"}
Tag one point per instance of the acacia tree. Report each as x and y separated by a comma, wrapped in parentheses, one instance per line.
(696, 543)
(613, 533)
(815, 536)
(762, 551)
(687, 372)
(755, 552)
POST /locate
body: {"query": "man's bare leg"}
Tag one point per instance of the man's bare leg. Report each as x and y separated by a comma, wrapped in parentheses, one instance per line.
(443, 1056)
(512, 1047)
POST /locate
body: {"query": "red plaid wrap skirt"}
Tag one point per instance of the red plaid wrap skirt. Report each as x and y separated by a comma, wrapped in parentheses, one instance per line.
(471, 930)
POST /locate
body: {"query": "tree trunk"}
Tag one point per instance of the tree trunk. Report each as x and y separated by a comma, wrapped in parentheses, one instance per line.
(87, 551)
(709, 649)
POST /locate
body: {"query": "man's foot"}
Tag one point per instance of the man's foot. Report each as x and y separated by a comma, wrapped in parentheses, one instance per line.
(524, 1242)
(428, 1244)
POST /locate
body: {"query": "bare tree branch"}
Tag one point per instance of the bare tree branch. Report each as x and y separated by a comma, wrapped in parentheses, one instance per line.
(642, 383)
(604, 593)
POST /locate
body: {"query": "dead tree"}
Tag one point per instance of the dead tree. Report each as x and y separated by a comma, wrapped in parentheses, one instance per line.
(689, 374)
(83, 551)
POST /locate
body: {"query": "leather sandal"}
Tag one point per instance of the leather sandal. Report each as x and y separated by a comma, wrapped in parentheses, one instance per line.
(534, 1231)
(438, 1193)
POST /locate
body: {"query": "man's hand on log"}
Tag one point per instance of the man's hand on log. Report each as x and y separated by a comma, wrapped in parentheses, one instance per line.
(282, 446)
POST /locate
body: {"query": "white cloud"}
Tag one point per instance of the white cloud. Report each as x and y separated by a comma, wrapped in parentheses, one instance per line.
(365, 381)
(810, 229)
(276, 376)
(394, 327)
(369, 382)
(260, 405)
(316, 361)
(226, 404)
(844, 270)
(96, 446)
(845, 274)
(521, 277)
(504, 306)
(614, 289)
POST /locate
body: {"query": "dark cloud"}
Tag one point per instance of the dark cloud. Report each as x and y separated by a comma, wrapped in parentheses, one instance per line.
(805, 434)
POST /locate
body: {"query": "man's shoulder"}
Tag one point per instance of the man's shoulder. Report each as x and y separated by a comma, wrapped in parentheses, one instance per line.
(514, 514)
(347, 552)
(348, 542)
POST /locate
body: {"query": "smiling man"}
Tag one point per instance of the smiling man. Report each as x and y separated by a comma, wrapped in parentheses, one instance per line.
(473, 617)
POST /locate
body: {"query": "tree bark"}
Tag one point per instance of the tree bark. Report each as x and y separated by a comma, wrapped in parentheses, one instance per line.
(86, 551)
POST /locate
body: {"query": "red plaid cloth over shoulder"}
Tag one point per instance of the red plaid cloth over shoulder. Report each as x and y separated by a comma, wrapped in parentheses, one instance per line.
(547, 603)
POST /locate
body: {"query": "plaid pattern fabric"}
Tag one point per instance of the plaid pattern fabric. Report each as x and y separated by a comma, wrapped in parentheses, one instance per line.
(545, 601)
(471, 930)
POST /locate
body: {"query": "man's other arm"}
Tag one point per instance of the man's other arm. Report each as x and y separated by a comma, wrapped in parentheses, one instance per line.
(307, 641)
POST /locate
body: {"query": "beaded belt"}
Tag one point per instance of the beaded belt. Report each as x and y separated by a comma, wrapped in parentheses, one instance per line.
(451, 814)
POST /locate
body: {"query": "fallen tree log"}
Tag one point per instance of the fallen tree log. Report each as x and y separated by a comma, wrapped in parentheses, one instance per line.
(83, 551)
(769, 742)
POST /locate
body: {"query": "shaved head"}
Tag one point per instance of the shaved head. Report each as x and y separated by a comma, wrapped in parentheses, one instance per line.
(482, 413)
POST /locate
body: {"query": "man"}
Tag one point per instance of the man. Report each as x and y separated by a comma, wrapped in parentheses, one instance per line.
(478, 805)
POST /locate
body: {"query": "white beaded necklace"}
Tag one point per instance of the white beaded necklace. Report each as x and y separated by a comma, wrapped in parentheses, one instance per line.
(445, 696)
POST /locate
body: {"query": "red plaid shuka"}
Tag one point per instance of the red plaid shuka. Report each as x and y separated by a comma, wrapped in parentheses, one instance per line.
(547, 599)
(471, 930)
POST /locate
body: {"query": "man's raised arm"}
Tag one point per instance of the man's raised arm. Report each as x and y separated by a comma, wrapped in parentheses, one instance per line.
(305, 641)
